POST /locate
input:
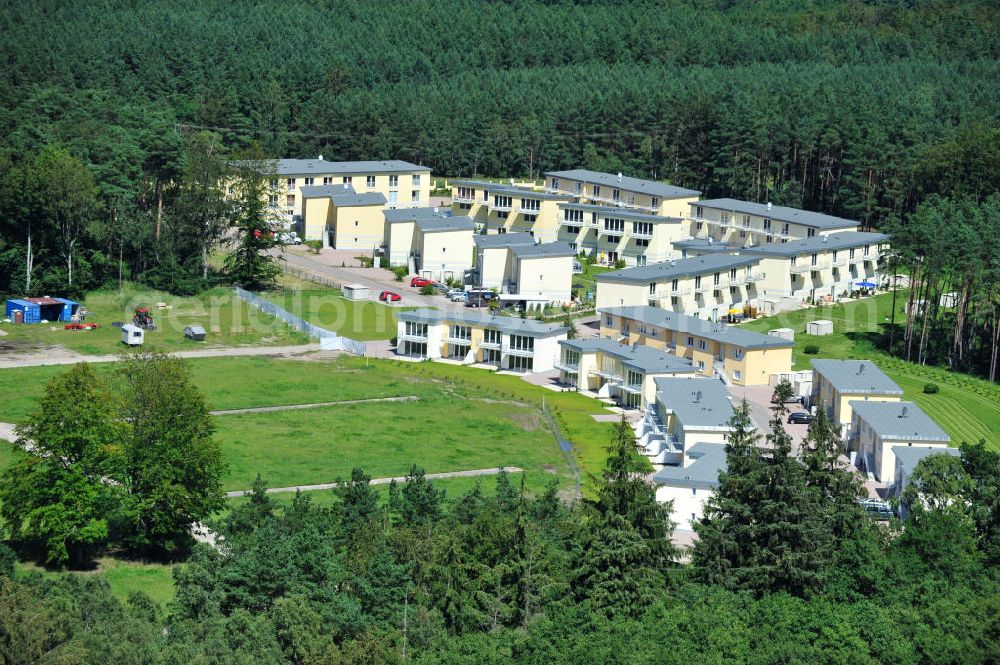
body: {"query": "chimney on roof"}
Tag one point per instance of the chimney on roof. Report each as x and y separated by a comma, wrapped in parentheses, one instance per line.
(511, 182)
(435, 209)
(619, 176)
(861, 369)
(697, 397)
(825, 238)
(905, 412)
(320, 158)
(346, 186)
(769, 205)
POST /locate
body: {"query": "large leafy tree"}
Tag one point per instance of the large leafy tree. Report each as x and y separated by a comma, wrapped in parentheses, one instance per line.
(57, 495)
(172, 464)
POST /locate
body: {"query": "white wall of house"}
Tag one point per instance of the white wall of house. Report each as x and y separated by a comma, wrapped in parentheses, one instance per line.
(689, 503)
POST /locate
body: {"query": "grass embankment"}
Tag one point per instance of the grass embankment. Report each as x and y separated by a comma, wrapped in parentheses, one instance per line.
(327, 308)
(967, 408)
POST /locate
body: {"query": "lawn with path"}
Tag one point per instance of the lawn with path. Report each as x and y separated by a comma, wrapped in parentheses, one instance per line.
(327, 308)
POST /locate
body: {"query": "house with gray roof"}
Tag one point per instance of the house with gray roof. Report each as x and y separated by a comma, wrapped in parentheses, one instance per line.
(613, 234)
(736, 355)
(523, 271)
(837, 384)
(692, 483)
(879, 428)
(600, 188)
(624, 373)
(431, 243)
(473, 337)
(505, 209)
(687, 409)
(761, 223)
(706, 286)
(907, 459)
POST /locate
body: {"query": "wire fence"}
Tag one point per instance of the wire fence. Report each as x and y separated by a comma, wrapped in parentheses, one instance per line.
(309, 276)
(328, 340)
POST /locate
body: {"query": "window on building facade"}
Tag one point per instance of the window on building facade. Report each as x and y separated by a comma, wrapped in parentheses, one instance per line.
(699, 212)
(654, 202)
(522, 343)
(290, 200)
(309, 182)
(555, 183)
(393, 198)
(531, 204)
(460, 332)
(641, 242)
(642, 228)
(394, 181)
(502, 214)
(767, 225)
(416, 180)
(491, 336)
(573, 215)
(291, 183)
(738, 375)
(784, 228)
(272, 200)
(531, 218)
(370, 181)
(616, 194)
(614, 225)
(640, 260)
(810, 233)
(415, 196)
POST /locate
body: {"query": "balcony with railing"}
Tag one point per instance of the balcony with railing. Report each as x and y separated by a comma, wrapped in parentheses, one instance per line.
(609, 373)
(462, 341)
(568, 367)
(800, 268)
(576, 223)
(519, 351)
(839, 262)
(527, 210)
(499, 205)
(418, 336)
(489, 344)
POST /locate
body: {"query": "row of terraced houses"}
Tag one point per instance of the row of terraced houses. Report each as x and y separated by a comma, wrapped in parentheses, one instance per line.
(664, 346)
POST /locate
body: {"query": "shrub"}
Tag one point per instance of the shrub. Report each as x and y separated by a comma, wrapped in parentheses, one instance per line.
(314, 245)
(383, 261)
(619, 264)
(365, 261)
(427, 290)
(811, 349)
(931, 389)
(400, 272)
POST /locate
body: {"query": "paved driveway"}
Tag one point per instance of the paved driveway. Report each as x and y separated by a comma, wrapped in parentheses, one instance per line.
(759, 398)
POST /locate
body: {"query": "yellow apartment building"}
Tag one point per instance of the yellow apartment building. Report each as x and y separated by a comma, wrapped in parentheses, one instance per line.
(430, 243)
(821, 267)
(507, 208)
(839, 384)
(740, 357)
(402, 184)
(504, 342)
(343, 218)
(609, 234)
(622, 372)
(740, 223)
(881, 431)
(620, 191)
(703, 286)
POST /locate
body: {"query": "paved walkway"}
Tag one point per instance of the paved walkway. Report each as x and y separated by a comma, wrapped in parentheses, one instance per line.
(314, 405)
(61, 356)
(7, 432)
(384, 481)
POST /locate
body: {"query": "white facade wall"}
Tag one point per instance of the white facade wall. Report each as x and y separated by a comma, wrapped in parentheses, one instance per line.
(689, 503)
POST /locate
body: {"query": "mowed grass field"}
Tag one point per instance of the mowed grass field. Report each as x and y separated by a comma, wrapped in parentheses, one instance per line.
(156, 580)
(464, 418)
(227, 320)
(967, 408)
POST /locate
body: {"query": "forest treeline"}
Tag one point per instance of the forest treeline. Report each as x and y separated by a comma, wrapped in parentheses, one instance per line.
(788, 568)
(115, 117)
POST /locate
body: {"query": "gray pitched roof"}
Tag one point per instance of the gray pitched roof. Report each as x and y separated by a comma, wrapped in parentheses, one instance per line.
(703, 246)
(816, 220)
(434, 224)
(350, 199)
(292, 167)
(624, 213)
(320, 191)
(695, 265)
(907, 457)
(899, 420)
(410, 214)
(644, 358)
(856, 376)
(651, 187)
(509, 190)
(827, 243)
(718, 332)
(497, 240)
(703, 472)
(696, 401)
(546, 249)
(506, 324)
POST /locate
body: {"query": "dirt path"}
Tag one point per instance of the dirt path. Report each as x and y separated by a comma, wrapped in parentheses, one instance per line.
(314, 405)
(61, 356)
(384, 481)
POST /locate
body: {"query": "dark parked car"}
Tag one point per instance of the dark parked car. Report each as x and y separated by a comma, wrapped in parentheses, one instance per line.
(801, 417)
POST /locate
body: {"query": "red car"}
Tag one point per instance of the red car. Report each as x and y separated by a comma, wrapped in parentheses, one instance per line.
(81, 326)
(421, 281)
(389, 296)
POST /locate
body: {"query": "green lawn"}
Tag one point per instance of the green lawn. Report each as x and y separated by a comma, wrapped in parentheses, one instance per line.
(154, 579)
(442, 432)
(327, 308)
(967, 408)
(585, 281)
(7, 453)
(227, 320)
